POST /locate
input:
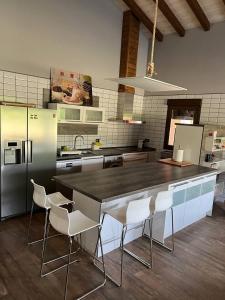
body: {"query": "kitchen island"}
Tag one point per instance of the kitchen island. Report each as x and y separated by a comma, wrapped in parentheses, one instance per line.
(97, 191)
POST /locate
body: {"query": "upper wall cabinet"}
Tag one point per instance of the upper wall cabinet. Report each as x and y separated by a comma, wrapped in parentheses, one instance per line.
(78, 114)
(93, 115)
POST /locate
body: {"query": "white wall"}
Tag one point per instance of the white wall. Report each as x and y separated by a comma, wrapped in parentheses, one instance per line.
(82, 35)
(195, 61)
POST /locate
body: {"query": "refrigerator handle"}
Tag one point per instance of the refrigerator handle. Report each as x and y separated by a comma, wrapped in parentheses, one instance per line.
(23, 152)
(29, 151)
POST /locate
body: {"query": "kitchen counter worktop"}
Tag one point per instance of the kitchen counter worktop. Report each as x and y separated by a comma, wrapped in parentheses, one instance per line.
(107, 152)
(109, 184)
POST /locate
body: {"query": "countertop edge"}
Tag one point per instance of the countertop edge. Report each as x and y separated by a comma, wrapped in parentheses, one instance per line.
(212, 171)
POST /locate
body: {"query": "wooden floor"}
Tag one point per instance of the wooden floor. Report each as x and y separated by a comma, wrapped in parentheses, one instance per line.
(195, 271)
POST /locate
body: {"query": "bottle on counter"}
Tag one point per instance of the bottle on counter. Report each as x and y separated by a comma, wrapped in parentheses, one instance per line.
(96, 145)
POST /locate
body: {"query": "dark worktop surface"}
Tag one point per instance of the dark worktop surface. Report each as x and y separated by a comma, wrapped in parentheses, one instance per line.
(109, 184)
(107, 152)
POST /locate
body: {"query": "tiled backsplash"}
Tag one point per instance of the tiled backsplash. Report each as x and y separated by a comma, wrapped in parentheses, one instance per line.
(30, 89)
(16, 87)
(155, 111)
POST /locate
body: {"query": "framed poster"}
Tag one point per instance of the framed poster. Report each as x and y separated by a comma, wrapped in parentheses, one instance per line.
(71, 88)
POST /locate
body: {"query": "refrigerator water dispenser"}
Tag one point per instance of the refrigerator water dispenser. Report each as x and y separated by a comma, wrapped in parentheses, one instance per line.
(12, 152)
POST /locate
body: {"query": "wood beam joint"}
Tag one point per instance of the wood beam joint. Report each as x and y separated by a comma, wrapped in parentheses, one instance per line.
(171, 17)
(142, 17)
(199, 13)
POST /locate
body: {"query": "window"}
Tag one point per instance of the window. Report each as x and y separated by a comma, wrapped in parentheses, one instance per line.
(182, 111)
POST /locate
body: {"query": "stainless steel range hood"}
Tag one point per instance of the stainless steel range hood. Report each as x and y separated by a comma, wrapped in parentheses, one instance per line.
(148, 84)
(127, 111)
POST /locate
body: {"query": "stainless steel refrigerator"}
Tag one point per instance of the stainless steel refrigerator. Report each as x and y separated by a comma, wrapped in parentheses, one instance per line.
(28, 150)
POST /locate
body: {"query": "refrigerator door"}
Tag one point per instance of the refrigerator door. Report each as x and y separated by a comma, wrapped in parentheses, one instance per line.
(189, 138)
(41, 149)
(13, 166)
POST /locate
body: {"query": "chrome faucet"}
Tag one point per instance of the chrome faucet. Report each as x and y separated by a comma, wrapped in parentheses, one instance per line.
(75, 140)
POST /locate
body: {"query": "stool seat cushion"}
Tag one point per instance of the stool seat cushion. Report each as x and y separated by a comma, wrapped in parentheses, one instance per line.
(56, 199)
(136, 211)
(79, 223)
(119, 214)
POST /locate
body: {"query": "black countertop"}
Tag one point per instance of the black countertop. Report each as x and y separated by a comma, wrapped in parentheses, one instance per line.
(109, 184)
(107, 152)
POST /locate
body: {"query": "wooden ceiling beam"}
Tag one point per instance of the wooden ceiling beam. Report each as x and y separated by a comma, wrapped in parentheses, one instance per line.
(199, 13)
(170, 16)
(142, 17)
(129, 49)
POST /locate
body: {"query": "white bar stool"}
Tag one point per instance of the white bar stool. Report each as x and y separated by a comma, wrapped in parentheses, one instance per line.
(73, 224)
(163, 202)
(137, 211)
(42, 200)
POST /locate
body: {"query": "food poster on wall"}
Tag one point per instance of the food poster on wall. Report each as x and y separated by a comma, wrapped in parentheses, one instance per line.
(71, 88)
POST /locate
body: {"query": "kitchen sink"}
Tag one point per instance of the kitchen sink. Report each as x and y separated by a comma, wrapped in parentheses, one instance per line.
(86, 152)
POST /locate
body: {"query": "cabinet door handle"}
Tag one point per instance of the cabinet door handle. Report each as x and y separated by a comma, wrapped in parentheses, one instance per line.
(68, 165)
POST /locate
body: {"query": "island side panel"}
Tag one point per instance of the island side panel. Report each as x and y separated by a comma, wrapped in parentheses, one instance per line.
(92, 209)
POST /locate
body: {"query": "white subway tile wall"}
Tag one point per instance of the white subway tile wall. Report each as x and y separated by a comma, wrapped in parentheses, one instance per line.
(23, 88)
(29, 89)
(155, 111)
(16, 87)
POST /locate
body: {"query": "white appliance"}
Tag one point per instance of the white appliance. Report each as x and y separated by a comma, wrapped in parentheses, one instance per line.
(189, 138)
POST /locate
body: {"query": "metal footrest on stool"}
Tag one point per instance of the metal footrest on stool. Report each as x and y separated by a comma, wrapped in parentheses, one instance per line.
(41, 240)
(100, 285)
(138, 258)
(55, 259)
(161, 245)
(107, 275)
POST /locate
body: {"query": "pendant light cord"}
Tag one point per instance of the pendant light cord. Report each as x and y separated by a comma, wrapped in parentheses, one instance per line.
(150, 69)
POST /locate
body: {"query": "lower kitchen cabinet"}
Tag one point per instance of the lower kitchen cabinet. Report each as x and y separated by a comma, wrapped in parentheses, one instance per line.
(92, 164)
(192, 201)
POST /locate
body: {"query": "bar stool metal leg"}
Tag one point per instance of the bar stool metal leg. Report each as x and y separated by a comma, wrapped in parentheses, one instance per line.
(150, 221)
(43, 262)
(30, 221)
(162, 245)
(96, 249)
(147, 264)
(103, 268)
(124, 230)
(67, 270)
(29, 228)
(143, 229)
(46, 232)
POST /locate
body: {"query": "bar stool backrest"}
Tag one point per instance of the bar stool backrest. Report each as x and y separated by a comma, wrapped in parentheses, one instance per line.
(39, 195)
(59, 219)
(163, 201)
(138, 211)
